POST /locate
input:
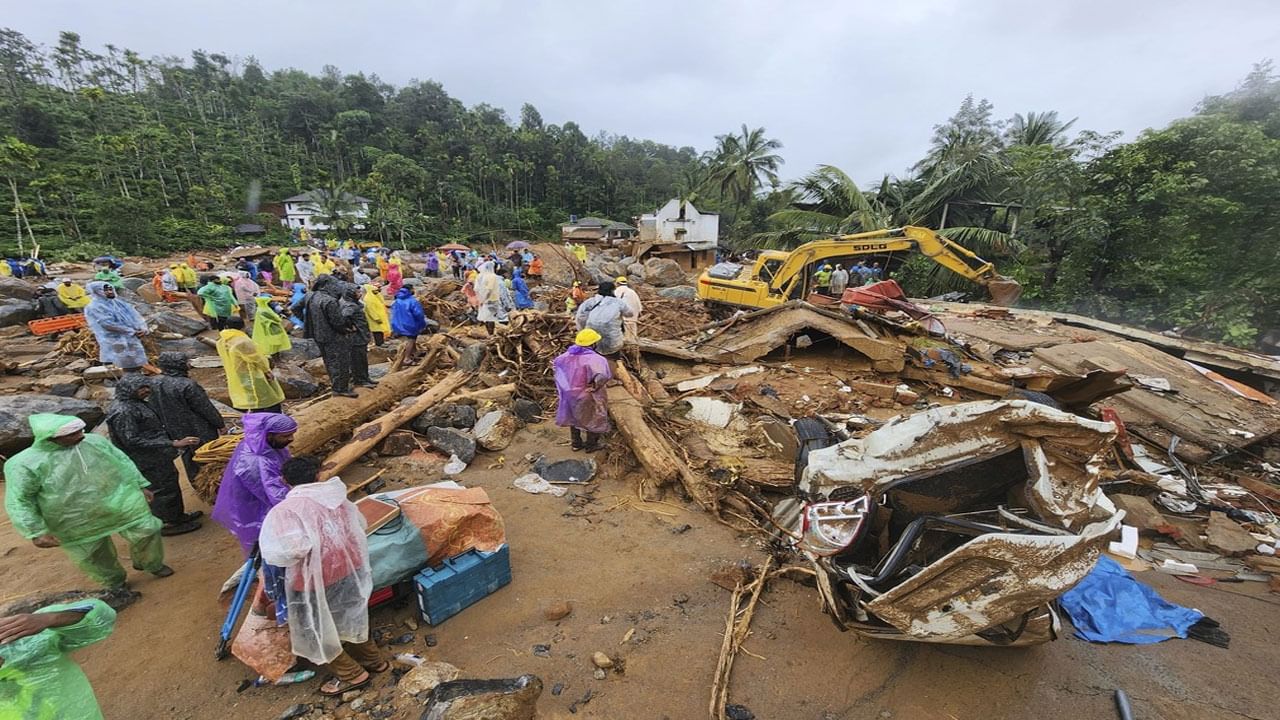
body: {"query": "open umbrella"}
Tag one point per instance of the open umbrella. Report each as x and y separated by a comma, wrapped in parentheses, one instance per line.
(454, 246)
(517, 245)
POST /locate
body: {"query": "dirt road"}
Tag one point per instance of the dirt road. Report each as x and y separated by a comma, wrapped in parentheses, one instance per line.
(624, 568)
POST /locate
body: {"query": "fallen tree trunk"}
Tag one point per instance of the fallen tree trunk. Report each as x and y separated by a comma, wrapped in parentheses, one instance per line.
(661, 464)
(367, 436)
(327, 420)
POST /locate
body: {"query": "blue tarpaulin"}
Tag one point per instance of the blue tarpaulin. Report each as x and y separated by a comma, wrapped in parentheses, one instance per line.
(1109, 605)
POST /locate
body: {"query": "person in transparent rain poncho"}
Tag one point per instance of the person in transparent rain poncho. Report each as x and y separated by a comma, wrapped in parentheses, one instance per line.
(318, 536)
(117, 327)
(37, 679)
(76, 490)
(604, 313)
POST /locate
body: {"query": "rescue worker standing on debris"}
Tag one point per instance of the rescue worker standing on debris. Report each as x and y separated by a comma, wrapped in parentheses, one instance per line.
(318, 536)
(286, 273)
(250, 383)
(333, 332)
(269, 332)
(822, 279)
(604, 313)
(488, 291)
(37, 679)
(184, 407)
(75, 490)
(408, 321)
(352, 304)
(839, 280)
(117, 327)
(582, 406)
(137, 430)
(251, 484)
(375, 313)
(631, 324)
(218, 301)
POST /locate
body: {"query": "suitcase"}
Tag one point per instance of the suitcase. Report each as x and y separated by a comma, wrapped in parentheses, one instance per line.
(459, 582)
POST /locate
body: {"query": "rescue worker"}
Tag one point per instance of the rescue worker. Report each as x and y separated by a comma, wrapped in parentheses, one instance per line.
(535, 269)
(75, 490)
(333, 331)
(184, 406)
(630, 325)
(375, 313)
(433, 265)
(250, 383)
(577, 295)
(169, 283)
(521, 289)
(108, 275)
(317, 535)
(117, 327)
(352, 304)
(218, 301)
(245, 290)
(580, 252)
(604, 313)
(395, 276)
(822, 279)
(306, 270)
(269, 331)
(37, 679)
(186, 276)
(252, 484)
(488, 289)
(839, 280)
(137, 430)
(72, 295)
(581, 374)
(408, 321)
(286, 273)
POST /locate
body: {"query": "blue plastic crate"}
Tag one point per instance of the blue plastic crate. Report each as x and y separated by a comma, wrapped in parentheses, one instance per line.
(460, 581)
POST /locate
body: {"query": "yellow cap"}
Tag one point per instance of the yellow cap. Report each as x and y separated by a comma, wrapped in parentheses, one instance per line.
(621, 280)
(586, 337)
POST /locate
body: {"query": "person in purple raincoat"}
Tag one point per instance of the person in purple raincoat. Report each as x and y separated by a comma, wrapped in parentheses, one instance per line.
(581, 374)
(252, 484)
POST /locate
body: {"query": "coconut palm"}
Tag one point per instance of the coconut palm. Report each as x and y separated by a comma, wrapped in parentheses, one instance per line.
(744, 162)
(1043, 128)
(827, 202)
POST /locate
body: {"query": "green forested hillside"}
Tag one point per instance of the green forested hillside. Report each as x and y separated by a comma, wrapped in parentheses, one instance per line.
(105, 150)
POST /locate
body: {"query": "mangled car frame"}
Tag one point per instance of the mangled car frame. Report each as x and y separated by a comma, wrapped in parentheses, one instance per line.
(959, 524)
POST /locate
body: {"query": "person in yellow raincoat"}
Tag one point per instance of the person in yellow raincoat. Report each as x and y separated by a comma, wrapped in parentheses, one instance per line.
(269, 332)
(382, 264)
(249, 381)
(286, 273)
(375, 311)
(323, 265)
(71, 294)
(186, 277)
(580, 252)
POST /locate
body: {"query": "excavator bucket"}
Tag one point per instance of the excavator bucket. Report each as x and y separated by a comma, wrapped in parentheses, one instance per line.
(1005, 291)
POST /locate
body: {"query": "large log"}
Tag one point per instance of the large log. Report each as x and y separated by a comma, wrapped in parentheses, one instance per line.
(653, 451)
(367, 436)
(328, 420)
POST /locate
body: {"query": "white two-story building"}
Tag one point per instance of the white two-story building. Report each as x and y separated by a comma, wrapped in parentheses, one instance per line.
(301, 211)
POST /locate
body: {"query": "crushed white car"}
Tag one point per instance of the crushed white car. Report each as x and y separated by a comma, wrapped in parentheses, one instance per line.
(959, 524)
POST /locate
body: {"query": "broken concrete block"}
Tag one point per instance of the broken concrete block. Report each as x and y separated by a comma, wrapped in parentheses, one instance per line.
(515, 699)
(905, 395)
(399, 442)
(453, 442)
(493, 431)
(1140, 513)
(426, 677)
(879, 390)
(1227, 537)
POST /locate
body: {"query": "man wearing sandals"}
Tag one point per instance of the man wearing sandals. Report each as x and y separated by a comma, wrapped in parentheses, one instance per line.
(318, 536)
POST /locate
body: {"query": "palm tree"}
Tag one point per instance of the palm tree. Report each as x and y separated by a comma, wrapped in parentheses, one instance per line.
(1035, 128)
(827, 202)
(743, 162)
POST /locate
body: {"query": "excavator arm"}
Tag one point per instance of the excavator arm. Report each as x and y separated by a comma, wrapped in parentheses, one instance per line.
(951, 255)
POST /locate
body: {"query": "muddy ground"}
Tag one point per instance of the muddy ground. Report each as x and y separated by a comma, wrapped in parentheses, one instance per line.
(625, 568)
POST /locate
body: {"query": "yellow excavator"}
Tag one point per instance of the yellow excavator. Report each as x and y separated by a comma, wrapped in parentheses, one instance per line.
(778, 277)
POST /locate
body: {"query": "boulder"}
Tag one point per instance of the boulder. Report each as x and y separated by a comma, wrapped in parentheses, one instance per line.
(471, 357)
(679, 292)
(379, 371)
(16, 312)
(493, 431)
(664, 272)
(16, 289)
(133, 283)
(572, 470)
(60, 385)
(515, 699)
(636, 271)
(527, 410)
(453, 442)
(426, 677)
(613, 269)
(303, 349)
(296, 382)
(188, 345)
(399, 442)
(451, 415)
(15, 432)
(178, 323)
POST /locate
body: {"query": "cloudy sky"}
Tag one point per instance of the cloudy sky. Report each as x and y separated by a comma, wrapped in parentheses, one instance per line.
(855, 84)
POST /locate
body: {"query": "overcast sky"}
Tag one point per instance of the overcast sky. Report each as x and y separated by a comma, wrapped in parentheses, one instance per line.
(854, 84)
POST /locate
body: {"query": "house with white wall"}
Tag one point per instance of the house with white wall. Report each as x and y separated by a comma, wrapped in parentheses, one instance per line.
(300, 211)
(680, 222)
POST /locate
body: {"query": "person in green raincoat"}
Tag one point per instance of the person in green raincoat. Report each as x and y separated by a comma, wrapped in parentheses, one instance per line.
(218, 301)
(75, 490)
(269, 333)
(109, 276)
(37, 679)
(286, 273)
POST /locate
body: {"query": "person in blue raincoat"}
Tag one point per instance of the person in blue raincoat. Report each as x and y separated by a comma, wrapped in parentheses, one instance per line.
(408, 320)
(521, 288)
(117, 327)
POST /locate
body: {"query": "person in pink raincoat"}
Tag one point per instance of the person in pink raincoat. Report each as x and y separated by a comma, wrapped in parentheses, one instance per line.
(581, 374)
